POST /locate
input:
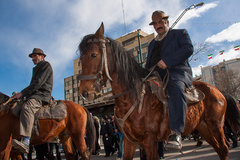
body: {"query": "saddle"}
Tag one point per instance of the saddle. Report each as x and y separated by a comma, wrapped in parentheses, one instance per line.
(55, 110)
(158, 88)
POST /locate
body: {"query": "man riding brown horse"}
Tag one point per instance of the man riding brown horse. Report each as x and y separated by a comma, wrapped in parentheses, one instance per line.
(171, 49)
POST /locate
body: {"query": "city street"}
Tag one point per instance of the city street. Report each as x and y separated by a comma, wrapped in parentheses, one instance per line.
(189, 152)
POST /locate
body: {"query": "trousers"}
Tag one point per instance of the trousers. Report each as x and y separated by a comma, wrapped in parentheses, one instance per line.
(177, 105)
(26, 114)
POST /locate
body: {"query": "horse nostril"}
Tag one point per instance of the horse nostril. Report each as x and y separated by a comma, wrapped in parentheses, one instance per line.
(85, 94)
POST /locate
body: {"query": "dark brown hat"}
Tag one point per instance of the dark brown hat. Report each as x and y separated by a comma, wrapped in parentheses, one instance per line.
(157, 15)
(37, 51)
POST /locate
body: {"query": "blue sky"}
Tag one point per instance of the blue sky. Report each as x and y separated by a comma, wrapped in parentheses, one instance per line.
(57, 27)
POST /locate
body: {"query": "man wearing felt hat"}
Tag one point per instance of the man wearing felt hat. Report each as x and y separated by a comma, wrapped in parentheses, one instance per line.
(170, 50)
(36, 94)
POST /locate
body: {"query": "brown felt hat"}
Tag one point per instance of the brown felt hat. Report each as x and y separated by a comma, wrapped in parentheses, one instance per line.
(157, 15)
(37, 51)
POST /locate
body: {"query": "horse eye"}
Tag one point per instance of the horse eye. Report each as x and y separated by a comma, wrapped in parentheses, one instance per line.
(93, 55)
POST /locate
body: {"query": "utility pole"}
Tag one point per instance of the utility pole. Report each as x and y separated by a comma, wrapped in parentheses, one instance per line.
(140, 49)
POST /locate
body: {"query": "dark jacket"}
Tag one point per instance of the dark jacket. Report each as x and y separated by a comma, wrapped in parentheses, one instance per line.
(176, 49)
(41, 84)
(106, 128)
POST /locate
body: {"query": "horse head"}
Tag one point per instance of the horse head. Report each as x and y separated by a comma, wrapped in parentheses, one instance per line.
(94, 60)
(103, 58)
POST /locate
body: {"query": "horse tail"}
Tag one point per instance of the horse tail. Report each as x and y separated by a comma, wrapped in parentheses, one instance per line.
(232, 116)
(90, 133)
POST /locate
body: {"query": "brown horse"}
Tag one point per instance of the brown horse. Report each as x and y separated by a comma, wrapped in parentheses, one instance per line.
(69, 130)
(141, 116)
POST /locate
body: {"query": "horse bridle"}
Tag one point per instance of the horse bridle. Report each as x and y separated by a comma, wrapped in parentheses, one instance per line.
(98, 83)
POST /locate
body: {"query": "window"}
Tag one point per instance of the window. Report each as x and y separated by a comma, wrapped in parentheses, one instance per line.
(67, 92)
(75, 90)
(130, 51)
(79, 71)
(74, 81)
(66, 83)
(75, 99)
(144, 55)
(144, 45)
(128, 42)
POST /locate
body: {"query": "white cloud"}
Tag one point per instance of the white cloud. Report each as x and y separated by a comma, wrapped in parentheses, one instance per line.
(194, 13)
(230, 34)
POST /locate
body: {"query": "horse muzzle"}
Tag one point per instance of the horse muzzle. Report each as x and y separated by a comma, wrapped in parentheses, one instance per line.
(89, 95)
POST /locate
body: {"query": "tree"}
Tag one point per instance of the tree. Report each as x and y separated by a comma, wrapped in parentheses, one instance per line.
(227, 80)
(200, 48)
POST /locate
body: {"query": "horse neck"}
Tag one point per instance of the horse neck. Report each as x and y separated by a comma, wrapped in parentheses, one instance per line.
(117, 88)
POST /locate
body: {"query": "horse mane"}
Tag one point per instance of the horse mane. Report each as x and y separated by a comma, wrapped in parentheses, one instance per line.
(3, 97)
(129, 72)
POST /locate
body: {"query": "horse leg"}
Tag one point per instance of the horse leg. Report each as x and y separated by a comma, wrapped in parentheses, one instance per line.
(5, 153)
(67, 145)
(129, 149)
(80, 142)
(150, 147)
(215, 137)
(77, 135)
(15, 154)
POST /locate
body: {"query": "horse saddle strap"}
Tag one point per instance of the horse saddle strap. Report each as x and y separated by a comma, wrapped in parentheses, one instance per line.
(56, 110)
(159, 89)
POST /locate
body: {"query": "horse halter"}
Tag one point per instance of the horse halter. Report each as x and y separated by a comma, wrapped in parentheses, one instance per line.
(98, 83)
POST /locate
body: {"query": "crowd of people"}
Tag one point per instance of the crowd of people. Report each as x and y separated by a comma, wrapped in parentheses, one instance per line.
(112, 137)
(45, 151)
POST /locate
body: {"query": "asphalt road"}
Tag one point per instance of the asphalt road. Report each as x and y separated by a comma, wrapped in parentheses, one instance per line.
(188, 152)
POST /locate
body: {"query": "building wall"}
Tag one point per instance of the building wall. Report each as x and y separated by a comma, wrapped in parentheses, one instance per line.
(209, 72)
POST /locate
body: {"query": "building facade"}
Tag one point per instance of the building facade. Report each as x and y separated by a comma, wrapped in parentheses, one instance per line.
(99, 107)
(212, 75)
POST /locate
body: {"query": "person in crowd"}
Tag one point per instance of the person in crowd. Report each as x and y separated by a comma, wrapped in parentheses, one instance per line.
(170, 50)
(120, 141)
(42, 152)
(97, 127)
(115, 143)
(106, 132)
(55, 143)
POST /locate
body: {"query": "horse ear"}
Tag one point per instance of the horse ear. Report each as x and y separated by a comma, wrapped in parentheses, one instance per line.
(100, 32)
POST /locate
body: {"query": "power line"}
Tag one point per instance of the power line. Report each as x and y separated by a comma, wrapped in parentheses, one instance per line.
(215, 23)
